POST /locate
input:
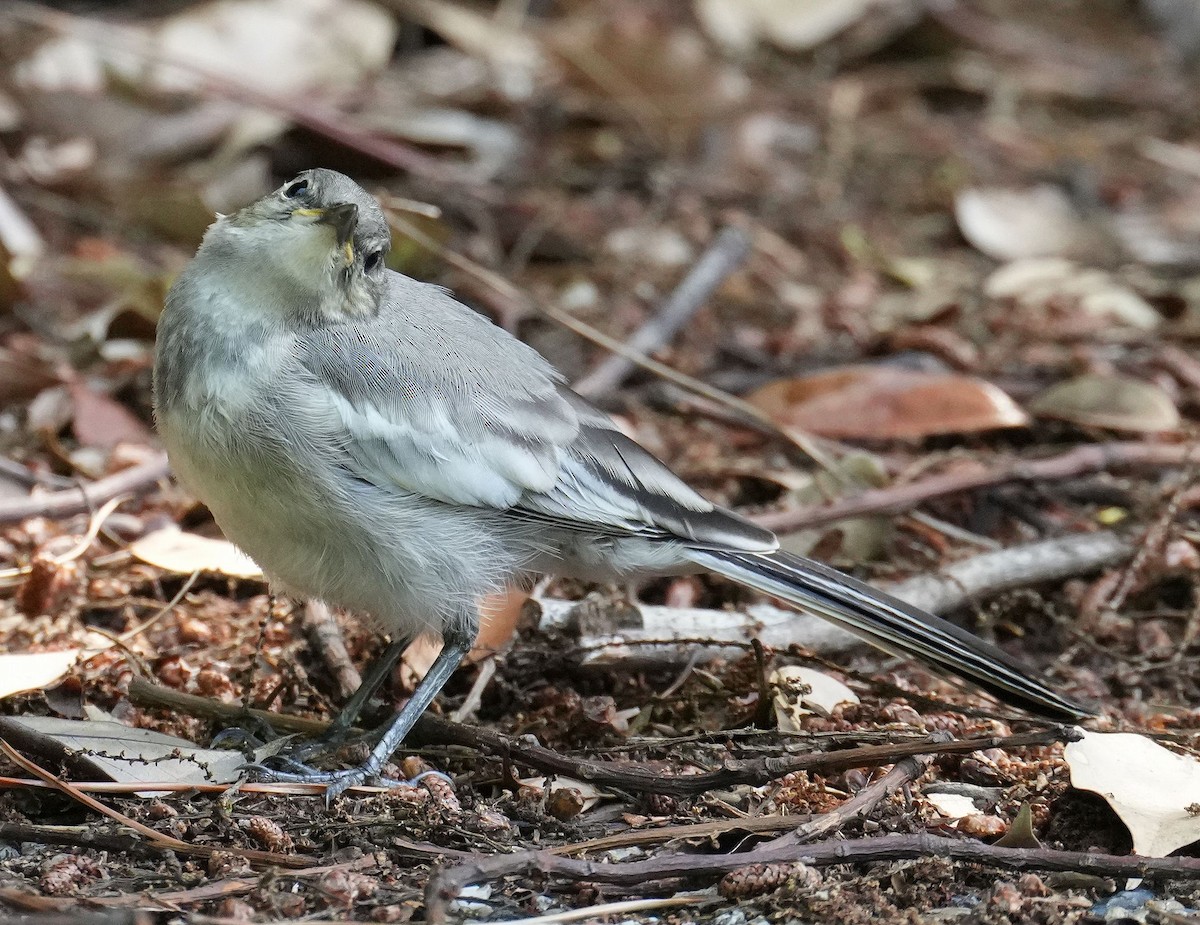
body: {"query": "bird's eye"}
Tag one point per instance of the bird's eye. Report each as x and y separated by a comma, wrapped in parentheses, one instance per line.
(297, 188)
(373, 261)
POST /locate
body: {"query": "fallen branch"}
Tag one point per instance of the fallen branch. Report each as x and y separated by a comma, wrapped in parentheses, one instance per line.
(430, 730)
(78, 836)
(67, 502)
(896, 499)
(326, 642)
(724, 255)
(154, 838)
(445, 886)
(902, 773)
(675, 634)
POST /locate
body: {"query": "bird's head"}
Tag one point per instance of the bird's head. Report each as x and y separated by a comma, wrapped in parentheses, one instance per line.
(320, 238)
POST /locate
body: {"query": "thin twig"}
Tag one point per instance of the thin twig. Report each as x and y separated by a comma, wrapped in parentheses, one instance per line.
(629, 777)
(445, 886)
(219, 889)
(134, 480)
(902, 773)
(327, 643)
(156, 839)
(133, 788)
(622, 909)
(77, 836)
(696, 831)
(897, 499)
(799, 829)
(727, 252)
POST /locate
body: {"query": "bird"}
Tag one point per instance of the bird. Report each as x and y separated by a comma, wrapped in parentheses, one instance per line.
(373, 443)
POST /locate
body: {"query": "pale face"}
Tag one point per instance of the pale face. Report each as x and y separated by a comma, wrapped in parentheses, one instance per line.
(318, 244)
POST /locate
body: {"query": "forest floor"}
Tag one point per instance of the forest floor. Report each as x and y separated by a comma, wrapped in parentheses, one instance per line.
(939, 329)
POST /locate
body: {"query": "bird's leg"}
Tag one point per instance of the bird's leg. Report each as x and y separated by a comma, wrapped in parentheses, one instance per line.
(456, 644)
(335, 734)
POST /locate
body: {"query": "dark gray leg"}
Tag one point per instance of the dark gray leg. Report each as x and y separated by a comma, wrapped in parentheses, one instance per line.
(379, 671)
(455, 646)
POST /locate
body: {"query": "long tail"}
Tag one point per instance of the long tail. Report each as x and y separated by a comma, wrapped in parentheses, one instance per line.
(891, 624)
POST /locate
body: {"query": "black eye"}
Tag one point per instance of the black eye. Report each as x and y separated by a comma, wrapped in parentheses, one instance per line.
(373, 261)
(297, 188)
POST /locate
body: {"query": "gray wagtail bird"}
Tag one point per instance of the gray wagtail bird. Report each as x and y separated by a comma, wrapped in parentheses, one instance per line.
(373, 443)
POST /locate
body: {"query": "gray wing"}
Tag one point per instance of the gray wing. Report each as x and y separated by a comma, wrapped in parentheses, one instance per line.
(432, 398)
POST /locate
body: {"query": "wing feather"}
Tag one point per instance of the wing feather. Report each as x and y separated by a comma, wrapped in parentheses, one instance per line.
(434, 399)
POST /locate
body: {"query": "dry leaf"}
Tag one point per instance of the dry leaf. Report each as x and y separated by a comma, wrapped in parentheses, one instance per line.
(952, 805)
(590, 793)
(100, 421)
(1059, 283)
(30, 671)
(793, 25)
(801, 691)
(124, 754)
(887, 403)
(176, 551)
(1112, 402)
(1015, 224)
(1153, 790)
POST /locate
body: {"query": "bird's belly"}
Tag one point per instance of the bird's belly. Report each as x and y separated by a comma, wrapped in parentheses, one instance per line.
(412, 565)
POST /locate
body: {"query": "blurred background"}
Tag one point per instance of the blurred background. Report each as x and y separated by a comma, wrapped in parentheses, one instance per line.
(886, 253)
(1001, 188)
(869, 240)
(997, 187)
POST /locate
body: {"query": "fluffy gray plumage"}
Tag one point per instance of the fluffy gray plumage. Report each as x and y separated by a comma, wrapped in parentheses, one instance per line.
(374, 443)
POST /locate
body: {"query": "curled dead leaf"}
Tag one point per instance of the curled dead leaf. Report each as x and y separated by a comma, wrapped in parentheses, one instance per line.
(801, 691)
(887, 403)
(1010, 224)
(1111, 402)
(176, 551)
(1151, 788)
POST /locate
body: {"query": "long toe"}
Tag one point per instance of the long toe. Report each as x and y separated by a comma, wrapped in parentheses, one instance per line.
(335, 782)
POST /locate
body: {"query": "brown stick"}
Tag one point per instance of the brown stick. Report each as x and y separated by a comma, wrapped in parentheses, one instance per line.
(902, 773)
(445, 886)
(326, 642)
(896, 499)
(70, 501)
(432, 730)
(154, 837)
(724, 255)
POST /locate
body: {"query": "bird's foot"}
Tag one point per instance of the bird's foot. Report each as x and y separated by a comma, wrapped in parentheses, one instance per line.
(337, 782)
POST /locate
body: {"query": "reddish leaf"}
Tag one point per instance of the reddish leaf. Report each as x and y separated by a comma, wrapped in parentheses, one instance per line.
(102, 422)
(887, 403)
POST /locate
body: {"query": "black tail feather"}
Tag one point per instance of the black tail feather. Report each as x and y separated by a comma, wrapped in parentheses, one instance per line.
(892, 625)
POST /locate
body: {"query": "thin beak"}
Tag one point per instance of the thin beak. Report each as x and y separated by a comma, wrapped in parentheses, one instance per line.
(343, 219)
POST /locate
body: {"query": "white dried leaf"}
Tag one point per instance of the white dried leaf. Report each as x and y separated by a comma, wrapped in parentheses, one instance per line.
(1153, 790)
(133, 756)
(176, 551)
(793, 25)
(31, 671)
(952, 805)
(792, 701)
(589, 793)
(1010, 224)
(1058, 281)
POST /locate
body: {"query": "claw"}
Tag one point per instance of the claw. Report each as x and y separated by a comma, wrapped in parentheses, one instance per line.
(336, 782)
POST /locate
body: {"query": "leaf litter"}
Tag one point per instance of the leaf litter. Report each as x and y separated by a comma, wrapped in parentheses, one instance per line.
(957, 216)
